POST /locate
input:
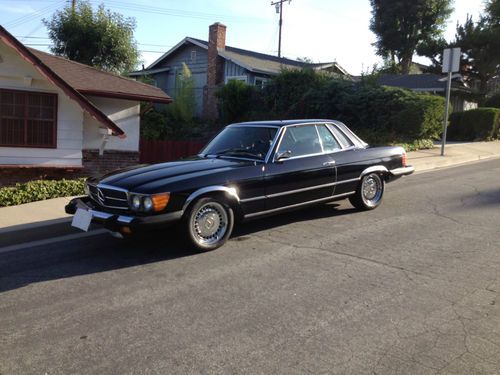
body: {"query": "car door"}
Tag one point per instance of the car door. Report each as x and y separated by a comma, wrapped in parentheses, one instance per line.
(304, 173)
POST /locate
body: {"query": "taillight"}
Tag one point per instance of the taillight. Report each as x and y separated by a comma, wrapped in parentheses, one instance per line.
(404, 159)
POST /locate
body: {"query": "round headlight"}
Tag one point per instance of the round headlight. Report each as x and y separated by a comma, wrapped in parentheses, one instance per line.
(136, 202)
(147, 203)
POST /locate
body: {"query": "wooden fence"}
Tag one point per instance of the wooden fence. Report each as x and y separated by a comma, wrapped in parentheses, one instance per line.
(152, 151)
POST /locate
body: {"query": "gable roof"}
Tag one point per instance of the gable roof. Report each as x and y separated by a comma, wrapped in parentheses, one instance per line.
(44, 64)
(419, 82)
(255, 62)
(91, 81)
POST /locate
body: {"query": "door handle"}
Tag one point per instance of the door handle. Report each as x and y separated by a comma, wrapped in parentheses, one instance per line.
(329, 163)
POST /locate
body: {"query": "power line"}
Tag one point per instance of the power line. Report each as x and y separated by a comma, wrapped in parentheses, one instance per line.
(51, 45)
(169, 11)
(33, 16)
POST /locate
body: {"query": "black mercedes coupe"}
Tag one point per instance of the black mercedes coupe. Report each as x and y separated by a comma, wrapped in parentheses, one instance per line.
(248, 170)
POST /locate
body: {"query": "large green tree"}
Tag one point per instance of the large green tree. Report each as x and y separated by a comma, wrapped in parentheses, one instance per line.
(402, 25)
(480, 45)
(99, 38)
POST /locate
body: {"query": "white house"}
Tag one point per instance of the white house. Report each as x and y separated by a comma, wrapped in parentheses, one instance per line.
(59, 116)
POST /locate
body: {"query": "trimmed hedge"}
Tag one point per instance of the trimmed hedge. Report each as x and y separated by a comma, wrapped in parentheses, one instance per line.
(39, 190)
(475, 124)
(379, 114)
(493, 101)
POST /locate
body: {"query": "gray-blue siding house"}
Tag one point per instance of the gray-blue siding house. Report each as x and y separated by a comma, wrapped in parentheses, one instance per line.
(213, 63)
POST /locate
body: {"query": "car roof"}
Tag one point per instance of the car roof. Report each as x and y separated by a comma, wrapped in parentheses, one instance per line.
(282, 123)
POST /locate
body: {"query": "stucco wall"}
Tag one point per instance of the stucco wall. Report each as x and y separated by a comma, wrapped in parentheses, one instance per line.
(125, 113)
(13, 70)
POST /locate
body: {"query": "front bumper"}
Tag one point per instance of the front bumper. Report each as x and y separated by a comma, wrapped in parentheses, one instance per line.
(116, 222)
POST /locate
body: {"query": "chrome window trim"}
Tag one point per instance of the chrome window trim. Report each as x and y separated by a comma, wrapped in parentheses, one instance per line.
(354, 144)
(276, 143)
(319, 137)
(298, 205)
(353, 136)
(285, 128)
(246, 200)
(334, 137)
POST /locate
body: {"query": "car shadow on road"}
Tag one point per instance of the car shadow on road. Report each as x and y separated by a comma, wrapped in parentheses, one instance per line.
(103, 253)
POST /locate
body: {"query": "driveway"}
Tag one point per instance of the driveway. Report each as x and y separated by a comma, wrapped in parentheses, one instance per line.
(410, 288)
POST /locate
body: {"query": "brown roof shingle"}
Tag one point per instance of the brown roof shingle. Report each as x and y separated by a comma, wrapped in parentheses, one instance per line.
(91, 81)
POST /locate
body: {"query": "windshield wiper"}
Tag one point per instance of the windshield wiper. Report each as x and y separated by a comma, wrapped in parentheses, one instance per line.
(238, 151)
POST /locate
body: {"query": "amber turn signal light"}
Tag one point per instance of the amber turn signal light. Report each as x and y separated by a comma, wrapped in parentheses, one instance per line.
(160, 201)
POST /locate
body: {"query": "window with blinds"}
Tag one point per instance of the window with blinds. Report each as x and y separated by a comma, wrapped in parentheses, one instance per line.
(28, 119)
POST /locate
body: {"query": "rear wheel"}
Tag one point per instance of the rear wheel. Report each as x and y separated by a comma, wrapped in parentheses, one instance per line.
(369, 192)
(208, 224)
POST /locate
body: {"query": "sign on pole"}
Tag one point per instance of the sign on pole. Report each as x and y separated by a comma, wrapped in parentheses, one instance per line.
(451, 64)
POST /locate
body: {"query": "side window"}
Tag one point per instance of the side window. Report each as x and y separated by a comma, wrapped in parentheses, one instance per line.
(300, 141)
(344, 141)
(330, 144)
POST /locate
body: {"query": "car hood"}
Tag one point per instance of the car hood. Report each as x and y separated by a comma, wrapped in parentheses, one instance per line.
(153, 178)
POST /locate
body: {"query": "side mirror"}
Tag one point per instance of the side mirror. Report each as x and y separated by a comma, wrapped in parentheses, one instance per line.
(283, 155)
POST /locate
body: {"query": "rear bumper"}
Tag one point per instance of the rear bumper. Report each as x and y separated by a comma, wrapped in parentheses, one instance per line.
(403, 171)
(115, 222)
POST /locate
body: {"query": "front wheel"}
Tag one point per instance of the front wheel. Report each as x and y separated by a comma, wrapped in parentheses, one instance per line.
(369, 192)
(208, 224)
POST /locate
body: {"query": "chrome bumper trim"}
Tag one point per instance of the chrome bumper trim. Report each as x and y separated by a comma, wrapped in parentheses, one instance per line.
(129, 220)
(403, 171)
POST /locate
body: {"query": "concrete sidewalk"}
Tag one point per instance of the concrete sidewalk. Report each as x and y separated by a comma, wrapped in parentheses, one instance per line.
(455, 154)
(34, 217)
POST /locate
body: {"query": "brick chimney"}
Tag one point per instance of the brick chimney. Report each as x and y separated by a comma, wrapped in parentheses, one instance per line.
(215, 69)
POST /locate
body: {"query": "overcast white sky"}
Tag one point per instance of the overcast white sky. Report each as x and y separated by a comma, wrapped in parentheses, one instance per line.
(323, 30)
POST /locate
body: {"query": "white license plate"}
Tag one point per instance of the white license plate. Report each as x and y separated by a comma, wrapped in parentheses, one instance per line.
(82, 219)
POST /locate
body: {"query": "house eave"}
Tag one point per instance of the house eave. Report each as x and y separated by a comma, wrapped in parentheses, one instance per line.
(126, 96)
(175, 48)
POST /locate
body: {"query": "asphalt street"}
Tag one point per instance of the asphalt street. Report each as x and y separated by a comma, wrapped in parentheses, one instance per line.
(412, 287)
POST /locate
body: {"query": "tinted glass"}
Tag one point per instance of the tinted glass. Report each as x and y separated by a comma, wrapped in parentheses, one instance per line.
(344, 141)
(300, 141)
(242, 141)
(350, 132)
(330, 144)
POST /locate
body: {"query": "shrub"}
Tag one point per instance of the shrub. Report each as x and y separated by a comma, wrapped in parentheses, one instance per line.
(475, 124)
(493, 101)
(237, 100)
(182, 109)
(154, 125)
(39, 190)
(418, 144)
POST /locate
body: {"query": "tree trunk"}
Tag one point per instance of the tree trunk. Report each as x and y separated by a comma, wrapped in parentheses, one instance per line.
(405, 64)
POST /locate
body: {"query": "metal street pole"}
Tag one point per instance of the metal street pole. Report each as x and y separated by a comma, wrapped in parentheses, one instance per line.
(451, 63)
(281, 23)
(279, 8)
(446, 112)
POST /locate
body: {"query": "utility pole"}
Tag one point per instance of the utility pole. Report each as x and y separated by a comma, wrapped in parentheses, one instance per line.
(279, 9)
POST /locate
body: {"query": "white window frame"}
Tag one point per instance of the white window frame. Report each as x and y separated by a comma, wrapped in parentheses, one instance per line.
(263, 79)
(237, 78)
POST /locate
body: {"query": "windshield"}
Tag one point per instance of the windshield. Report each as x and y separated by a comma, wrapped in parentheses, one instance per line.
(241, 141)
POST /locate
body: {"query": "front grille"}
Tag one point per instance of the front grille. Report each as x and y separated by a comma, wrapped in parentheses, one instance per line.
(107, 196)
